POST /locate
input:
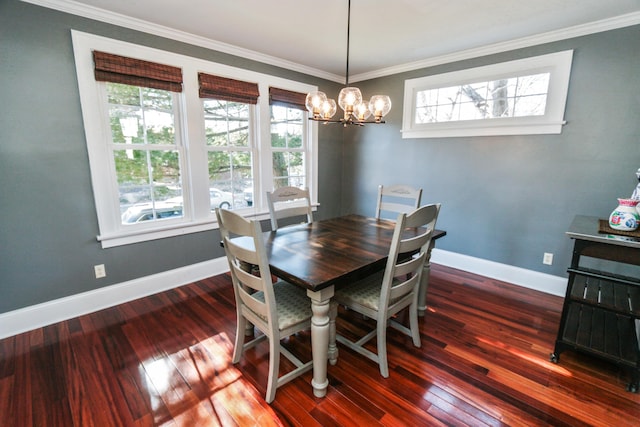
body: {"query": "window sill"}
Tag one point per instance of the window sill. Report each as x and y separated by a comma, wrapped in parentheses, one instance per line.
(483, 129)
(171, 230)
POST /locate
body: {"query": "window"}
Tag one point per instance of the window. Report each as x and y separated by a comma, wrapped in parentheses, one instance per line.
(228, 117)
(518, 97)
(146, 152)
(172, 137)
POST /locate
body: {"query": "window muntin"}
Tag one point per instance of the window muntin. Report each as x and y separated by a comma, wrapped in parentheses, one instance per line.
(517, 97)
(287, 147)
(190, 144)
(229, 151)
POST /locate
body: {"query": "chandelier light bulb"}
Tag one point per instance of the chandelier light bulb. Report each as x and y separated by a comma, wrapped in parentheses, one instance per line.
(379, 105)
(362, 112)
(328, 109)
(314, 103)
(348, 98)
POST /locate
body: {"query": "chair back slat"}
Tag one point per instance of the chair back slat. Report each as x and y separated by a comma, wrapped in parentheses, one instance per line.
(289, 202)
(396, 199)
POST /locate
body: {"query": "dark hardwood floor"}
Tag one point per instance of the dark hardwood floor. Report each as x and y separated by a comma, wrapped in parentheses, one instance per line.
(165, 360)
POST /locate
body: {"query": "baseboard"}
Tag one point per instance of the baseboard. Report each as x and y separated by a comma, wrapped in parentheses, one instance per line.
(39, 315)
(530, 279)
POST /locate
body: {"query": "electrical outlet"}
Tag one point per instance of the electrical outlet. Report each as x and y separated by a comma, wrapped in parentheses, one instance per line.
(547, 258)
(100, 271)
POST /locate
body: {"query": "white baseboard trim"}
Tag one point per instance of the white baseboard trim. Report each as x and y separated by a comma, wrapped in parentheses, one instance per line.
(39, 315)
(530, 279)
(47, 313)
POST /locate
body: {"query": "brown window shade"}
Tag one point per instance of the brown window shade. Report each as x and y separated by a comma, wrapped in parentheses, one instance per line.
(287, 98)
(136, 72)
(227, 89)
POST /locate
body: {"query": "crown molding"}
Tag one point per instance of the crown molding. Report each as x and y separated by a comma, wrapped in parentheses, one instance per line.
(614, 23)
(102, 15)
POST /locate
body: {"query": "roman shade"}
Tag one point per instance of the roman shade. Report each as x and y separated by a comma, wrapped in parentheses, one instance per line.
(136, 72)
(287, 98)
(227, 89)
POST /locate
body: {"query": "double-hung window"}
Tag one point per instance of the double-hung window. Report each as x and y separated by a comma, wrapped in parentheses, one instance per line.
(288, 127)
(229, 114)
(525, 96)
(170, 138)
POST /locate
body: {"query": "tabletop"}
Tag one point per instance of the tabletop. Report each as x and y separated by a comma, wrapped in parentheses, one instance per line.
(587, 228)
(332, 251)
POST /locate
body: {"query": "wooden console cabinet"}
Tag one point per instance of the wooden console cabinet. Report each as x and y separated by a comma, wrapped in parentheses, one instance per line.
(601, 311)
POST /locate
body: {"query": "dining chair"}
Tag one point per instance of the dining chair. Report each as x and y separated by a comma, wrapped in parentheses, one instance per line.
(382, 295)
(289, 202)
(278, 309)
(397, 199)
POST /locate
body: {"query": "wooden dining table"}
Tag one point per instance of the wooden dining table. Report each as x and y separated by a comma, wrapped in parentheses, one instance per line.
(325, 254)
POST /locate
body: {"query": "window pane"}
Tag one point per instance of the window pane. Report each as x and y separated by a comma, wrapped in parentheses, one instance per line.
(226, 123)
(230, 173)
(286, 127)
(149, 185)
(288, 164)
(140, 115)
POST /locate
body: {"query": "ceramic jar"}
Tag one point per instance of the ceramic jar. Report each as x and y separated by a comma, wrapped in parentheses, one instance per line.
(625, 217)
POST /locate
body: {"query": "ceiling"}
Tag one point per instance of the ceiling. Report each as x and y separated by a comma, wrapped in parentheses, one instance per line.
(387, 36)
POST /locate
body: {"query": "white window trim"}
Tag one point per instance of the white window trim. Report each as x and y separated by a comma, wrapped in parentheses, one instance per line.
(195, 179)
(558, 64)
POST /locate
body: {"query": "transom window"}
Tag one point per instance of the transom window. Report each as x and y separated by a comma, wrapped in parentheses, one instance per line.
(517, 97)
(514, 97)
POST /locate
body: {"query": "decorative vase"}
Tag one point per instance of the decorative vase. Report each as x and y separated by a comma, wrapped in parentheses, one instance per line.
(625, 217)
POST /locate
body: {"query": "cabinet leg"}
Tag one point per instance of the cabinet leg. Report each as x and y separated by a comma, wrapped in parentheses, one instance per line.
(554, 357)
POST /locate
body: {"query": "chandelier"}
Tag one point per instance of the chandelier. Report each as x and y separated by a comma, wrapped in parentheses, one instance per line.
(356, 110)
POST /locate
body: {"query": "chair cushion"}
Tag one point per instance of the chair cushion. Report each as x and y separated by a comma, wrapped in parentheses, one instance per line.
(365, 292)
(293, 304)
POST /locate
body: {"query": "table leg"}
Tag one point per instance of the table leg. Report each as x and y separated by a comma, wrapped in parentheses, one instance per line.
(424, 282)
(320, 338)
(333, 348)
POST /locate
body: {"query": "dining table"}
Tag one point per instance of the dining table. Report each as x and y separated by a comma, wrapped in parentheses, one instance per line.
(322, 255)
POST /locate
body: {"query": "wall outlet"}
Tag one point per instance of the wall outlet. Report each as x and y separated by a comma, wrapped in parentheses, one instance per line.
(100, 271)
(547, 258)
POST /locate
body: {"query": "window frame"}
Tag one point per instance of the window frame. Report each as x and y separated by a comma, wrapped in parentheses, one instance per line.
(197, 214)
(558, 64)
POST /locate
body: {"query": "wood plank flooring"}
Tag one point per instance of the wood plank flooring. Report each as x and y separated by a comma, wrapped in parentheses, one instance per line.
(165, 360)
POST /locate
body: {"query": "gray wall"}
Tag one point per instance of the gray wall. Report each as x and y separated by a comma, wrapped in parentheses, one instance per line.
(48, 222)
(506, 199)
(509, 199)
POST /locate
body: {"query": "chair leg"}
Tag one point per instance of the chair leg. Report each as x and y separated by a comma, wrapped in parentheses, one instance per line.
(382, 348)
(240, 329)
(413, 324)
(274, 368)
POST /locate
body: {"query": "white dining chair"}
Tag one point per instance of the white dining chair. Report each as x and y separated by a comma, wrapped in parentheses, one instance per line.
(289, 202)
(278, 309)
(382, 295)
(396, 199)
